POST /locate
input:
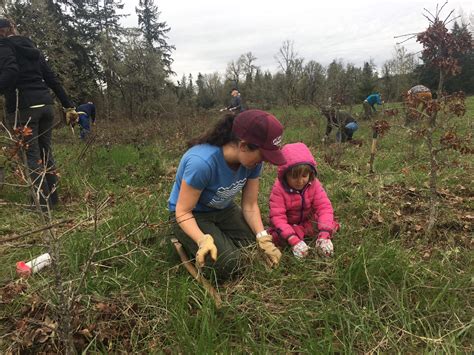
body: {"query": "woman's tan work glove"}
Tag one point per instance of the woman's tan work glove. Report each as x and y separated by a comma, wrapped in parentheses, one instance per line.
(265, 242)
(71, 116)
(206, 245)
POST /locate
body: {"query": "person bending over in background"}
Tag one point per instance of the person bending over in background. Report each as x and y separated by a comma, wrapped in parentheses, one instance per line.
(298, 200)
(369, 104)
(416, 101)
(421, 92)
(86, 114)
(217, 166)
(344, 121)
(25, 80)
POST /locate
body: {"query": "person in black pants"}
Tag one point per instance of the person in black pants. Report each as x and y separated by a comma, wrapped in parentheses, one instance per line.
(25, 80)
(344, 121)
(235, 105)
(86, 114)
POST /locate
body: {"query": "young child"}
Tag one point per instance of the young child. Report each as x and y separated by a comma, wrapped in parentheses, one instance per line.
(297, 200)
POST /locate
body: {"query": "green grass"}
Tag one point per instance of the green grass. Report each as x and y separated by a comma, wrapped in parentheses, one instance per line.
(387, 289)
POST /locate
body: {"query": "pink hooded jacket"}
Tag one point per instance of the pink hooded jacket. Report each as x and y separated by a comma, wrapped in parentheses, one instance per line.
(292, 212)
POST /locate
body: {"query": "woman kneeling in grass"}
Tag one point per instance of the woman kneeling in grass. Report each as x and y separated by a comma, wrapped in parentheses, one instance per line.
(217, 166)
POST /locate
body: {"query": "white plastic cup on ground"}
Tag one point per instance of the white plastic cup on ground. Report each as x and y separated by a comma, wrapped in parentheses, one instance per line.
(26, 269)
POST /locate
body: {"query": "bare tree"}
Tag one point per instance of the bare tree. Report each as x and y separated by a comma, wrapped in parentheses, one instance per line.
(247, 61)
(292, 67)
(312, 86)
(234, 71)
(401, 68)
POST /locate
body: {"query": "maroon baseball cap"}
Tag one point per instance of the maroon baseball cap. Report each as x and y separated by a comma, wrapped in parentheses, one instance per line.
(262, 129)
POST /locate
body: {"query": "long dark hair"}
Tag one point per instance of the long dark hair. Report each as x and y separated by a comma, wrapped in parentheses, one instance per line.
(218, 135)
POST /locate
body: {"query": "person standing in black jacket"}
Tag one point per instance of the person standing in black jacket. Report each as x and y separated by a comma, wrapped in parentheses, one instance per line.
(25, 80)
(235, 103)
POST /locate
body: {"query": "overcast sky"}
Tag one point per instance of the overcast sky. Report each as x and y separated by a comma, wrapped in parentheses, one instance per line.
(208, 34)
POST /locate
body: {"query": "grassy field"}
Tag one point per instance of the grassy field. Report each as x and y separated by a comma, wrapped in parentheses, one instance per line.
(389, 288)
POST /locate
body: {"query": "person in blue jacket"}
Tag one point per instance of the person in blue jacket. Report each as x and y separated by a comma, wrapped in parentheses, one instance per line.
(86, 116)
(369, 104)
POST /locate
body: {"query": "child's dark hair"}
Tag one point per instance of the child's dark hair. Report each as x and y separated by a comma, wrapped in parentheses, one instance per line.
(301, 169)
(220, 134)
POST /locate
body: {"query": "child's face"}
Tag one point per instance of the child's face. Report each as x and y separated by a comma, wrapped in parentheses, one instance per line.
(297, 183)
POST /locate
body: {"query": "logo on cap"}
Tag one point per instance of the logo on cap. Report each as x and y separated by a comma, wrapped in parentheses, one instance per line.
(277, 141)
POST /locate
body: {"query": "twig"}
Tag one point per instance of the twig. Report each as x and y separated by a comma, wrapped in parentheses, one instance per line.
(441, 9)
(197, 275)
(42, 324)
(429, 20)
(406, 40)
(428, 11)
(96, 244)
(453, 19)
(373, 150)
(434, 340)
(381, 342)
(8, 131)
(130, 252)
(89, 142)
(8, 239)
(447, 17)
(15, 185)
(408, 34)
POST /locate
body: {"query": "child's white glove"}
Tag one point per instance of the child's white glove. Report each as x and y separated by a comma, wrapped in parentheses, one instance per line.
(300, 250)
(325, 247)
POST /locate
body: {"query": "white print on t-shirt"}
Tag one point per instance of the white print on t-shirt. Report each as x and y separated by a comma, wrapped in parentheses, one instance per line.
(225, 194)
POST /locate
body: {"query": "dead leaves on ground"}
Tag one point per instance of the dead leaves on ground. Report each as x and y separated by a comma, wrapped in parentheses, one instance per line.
(35, 329)
(405, 210)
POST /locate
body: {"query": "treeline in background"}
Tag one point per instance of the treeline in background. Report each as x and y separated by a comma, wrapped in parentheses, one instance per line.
(128, 72)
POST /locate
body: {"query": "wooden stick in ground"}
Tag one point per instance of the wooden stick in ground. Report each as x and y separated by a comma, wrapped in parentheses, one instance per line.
(373, 151)
(194, 272)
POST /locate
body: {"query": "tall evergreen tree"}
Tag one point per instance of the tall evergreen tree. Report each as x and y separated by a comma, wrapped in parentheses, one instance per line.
(335, 74)
(49, 25)
(465, 79)
(155, 32)
(101, 21)
(368, 80)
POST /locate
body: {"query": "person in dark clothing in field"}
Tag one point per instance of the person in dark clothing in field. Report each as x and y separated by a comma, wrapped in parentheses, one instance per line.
(86, 114)
(25, 81)
(235, 103)
(345, 123)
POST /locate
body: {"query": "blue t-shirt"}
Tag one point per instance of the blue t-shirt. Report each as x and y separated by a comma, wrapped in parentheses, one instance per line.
(204, 168)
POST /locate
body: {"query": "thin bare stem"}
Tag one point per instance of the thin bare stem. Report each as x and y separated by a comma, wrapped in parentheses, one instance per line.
(407, 34)
(428, 11)
(441, 9)
(406, 40)
(53, 225)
